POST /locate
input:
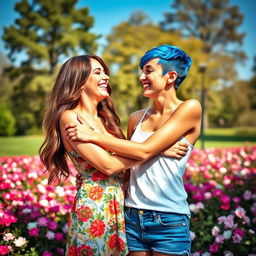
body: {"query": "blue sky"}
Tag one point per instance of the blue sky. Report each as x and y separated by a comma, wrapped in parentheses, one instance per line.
(111, 12)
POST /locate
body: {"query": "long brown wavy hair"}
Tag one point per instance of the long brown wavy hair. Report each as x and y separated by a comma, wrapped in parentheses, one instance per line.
(65, 95)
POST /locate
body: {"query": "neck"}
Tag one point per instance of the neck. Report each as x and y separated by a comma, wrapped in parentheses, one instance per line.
(88, 106)
(165, 103)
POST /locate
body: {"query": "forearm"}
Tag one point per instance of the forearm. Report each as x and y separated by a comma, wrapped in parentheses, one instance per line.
(131, 149)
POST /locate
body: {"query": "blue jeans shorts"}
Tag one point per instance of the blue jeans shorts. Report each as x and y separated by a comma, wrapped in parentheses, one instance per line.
(156, 231)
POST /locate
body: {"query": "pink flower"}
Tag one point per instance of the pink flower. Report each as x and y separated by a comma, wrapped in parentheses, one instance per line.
(237, 238)
(6, 219)
(46, 253)
(53, 225)
(8, 237)
(43, 221)
(219, 239)
(3, 249)
(239, 232)
(247, 195)
(34, 232)
(59, 236)
(60, 251)
(240, 212)
(214, 247)
(228, 221)
(236, 199)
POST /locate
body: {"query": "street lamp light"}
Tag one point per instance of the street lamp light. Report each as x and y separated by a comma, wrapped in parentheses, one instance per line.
(202, 70)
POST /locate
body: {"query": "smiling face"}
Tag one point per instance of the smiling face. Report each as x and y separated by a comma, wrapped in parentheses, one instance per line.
(97, 83)
(152, 78)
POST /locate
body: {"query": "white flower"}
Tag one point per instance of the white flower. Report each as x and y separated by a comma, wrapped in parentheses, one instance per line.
(65, 228)
(20, 241)
(223, 170)
(31, 225)
(50, 235)
(215, 231)
(60, 191)
(26, 210)
(193, 208)
(206, 254)
(192, 235)
(227, 234)
(8, 236)
(228, 253)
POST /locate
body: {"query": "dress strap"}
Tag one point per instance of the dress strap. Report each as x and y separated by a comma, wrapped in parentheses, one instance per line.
(144, 114)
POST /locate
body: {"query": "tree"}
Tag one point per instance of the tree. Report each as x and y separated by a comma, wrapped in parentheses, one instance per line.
(46, 32)
(126, 44)
(213, 21)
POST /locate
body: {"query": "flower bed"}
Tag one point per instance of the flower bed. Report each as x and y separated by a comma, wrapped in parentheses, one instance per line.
(221, 185)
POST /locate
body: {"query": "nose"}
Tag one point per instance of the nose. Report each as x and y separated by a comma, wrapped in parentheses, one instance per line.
(105, 77)
(142, 76)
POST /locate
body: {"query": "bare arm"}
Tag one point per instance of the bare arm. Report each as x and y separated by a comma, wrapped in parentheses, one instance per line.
(186, 119)
(94, 154)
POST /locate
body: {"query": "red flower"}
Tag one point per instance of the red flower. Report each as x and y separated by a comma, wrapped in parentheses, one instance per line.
(97, 175)
(117, 242)
(73, 209)
(84, 213)
(114, 207)
(97, 228)
(85, 250)
(72, 251)
(96, 192)
(3, 249)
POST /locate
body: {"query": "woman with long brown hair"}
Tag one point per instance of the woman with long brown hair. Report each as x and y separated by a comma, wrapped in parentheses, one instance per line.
(96, 223)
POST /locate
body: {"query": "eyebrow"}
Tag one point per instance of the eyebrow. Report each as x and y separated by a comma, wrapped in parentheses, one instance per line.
(96, 69)
(148, 66)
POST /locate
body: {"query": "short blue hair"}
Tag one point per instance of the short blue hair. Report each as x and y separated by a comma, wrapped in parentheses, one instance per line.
(171, 58)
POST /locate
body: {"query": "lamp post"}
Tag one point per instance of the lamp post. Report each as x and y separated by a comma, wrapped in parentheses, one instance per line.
(202, 70)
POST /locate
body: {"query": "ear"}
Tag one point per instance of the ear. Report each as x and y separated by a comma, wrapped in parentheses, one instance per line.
(172, 76)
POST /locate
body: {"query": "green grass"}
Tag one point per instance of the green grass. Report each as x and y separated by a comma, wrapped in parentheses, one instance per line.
(214, 138)
(20, 145)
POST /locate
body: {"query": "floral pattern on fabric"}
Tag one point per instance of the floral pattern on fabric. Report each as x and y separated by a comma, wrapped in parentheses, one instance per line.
(96, 221)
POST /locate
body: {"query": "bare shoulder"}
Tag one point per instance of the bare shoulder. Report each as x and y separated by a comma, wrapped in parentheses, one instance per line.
(192, 105)
(134, 119)
(189, 109)
(136, 116)
(68, 116)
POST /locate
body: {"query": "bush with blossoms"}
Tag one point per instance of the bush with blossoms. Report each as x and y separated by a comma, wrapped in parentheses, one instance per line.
(221, 184)
(33, 214)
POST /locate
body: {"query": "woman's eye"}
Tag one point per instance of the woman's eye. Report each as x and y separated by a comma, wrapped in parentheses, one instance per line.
(148, 71)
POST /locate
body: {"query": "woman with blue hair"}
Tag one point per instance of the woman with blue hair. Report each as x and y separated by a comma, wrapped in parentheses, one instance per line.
(156, 209)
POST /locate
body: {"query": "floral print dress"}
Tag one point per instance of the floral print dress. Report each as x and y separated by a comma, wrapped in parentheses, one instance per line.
(96, 222)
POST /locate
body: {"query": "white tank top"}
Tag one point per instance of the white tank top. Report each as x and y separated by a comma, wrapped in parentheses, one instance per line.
(157, 183)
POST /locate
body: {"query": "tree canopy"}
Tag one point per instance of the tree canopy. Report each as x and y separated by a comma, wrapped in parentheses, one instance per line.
(45, 33)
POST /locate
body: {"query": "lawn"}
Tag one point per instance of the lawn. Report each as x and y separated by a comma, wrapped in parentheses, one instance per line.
(214, 138)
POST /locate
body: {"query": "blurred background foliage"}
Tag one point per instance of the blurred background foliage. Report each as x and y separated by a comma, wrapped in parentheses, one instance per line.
(48, 32)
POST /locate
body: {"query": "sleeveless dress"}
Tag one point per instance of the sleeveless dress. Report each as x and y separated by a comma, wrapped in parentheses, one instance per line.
(96, 222)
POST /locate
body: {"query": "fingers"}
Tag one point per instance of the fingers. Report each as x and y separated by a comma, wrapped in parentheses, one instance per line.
(70, 125)
(78, 181)
(80, 119)
(78, 176)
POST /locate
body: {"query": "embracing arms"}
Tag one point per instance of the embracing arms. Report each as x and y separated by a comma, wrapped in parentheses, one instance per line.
(95, 155)
(185, 120)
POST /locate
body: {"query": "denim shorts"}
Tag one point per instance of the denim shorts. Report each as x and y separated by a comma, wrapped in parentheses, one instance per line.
(156, 231)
